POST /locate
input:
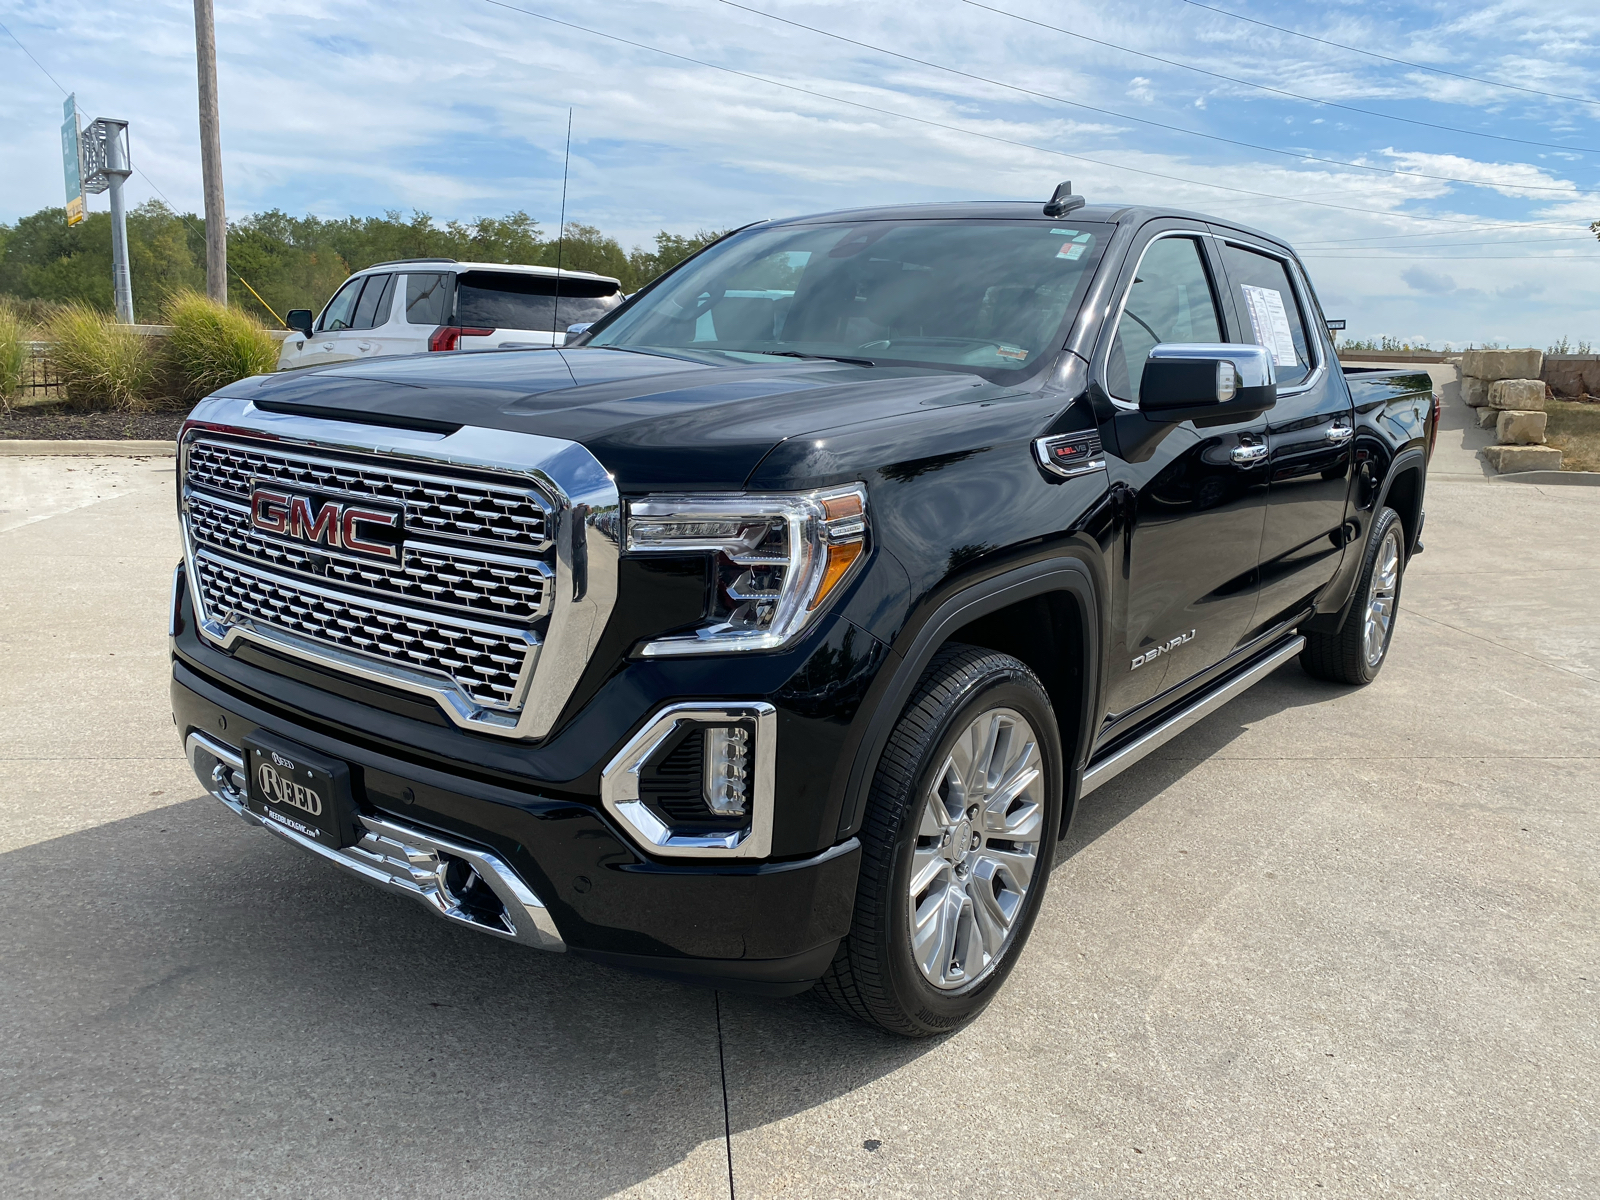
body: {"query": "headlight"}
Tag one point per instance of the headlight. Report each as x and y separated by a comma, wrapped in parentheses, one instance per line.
(778, 559)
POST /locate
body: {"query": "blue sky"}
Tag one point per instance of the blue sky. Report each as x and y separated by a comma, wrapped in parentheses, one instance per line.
(1474, 231)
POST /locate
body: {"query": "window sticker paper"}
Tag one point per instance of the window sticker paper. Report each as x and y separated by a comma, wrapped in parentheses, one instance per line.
(1063, 233)
(1016, 352)
(1270, 322)
(1071, 251)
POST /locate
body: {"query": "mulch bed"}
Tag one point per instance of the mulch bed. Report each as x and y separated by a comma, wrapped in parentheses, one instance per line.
(50, 423)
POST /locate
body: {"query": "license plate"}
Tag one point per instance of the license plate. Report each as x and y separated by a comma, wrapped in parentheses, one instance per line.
(300, 790)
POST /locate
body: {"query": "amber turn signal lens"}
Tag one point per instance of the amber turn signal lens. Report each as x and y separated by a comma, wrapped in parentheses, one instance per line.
(840, 560)
(842, 506)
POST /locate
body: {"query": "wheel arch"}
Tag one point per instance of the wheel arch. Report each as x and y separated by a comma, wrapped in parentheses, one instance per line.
(1402, 491)
(1005, 613)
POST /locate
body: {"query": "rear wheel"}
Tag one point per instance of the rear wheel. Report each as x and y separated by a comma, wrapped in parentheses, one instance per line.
(956, 847)
(1356, 652)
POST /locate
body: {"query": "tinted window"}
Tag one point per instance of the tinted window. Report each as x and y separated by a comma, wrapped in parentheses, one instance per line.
(341, 308)
(368, 310)
(1170, 300)
(978, 295)
(425, 297)
(487, 299)
(1267, 303)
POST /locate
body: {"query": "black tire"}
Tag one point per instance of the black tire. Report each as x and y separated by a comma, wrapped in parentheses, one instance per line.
(875, 974)
(1346, 655)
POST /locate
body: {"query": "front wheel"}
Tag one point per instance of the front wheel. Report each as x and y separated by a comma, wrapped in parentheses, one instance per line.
(956, 847)
(1355, 653)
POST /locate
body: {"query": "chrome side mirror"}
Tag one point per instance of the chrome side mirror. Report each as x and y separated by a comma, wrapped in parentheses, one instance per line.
(1207, 380)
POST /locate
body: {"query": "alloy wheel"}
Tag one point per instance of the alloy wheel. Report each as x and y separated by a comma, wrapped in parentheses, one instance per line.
(977, 846)
(1381, 597)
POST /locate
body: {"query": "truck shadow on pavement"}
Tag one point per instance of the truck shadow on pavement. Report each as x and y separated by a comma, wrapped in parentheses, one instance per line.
(194, 1007)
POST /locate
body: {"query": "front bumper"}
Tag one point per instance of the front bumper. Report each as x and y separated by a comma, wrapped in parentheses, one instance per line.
(566, 878)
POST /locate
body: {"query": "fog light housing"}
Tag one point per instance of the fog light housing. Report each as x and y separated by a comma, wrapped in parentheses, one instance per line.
(696, 781)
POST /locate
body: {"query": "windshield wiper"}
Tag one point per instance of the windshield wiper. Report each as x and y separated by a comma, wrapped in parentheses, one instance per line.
(859, 362)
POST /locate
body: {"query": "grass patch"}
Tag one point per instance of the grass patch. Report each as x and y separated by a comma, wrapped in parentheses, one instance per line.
(15, 334)
(103, 364)
(212, 345)
(1574, 429)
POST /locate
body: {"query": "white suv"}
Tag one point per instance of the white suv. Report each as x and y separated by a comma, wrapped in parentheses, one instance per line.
(418, 304)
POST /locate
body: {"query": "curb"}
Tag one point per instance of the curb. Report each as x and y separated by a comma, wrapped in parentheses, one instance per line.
(1578, 478)
(87, 447)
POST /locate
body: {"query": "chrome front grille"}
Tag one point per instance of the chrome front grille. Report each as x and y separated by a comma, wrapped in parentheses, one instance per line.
(477, 568)
(450, 508)
(489, 664)
(497, 586)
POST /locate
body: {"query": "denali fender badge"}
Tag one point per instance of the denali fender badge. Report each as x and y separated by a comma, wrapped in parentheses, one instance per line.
(1157, 651)
(338, 526)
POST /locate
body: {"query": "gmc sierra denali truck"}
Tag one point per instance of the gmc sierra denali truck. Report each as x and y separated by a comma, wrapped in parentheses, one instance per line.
(770, 631)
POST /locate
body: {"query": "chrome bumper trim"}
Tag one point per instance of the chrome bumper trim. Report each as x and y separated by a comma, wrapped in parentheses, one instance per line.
(1115, 764)
(393, 855)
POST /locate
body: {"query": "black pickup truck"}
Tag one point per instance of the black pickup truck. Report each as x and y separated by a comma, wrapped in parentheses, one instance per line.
(770, 631)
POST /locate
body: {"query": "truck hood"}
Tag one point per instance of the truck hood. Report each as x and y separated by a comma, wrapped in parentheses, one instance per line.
(653, 421)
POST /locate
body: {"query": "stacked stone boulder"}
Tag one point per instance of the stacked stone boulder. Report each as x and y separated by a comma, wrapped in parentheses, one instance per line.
(1504, 387)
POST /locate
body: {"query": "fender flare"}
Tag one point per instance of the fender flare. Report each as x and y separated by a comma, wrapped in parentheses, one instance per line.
(1328, 622)
(1063, 574)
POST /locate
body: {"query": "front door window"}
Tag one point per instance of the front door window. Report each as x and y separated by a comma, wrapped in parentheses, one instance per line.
(1170, 300)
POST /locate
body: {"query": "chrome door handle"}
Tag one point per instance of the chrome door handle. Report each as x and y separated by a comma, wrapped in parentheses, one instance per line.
(1340, 433)
(365, 346)
(1247, 455)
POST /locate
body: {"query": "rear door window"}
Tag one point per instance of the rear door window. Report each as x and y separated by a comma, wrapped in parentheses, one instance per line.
(425, 298)
(371, 309)
(496, 300)
(1270, 311)
(341, 309)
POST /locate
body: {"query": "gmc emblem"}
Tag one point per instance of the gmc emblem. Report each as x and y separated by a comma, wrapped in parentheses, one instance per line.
(334, 524)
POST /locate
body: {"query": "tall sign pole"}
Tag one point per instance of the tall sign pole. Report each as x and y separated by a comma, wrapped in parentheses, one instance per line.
(106, 167)
(205, 51)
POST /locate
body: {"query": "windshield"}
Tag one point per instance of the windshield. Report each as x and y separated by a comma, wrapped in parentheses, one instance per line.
(975, 295)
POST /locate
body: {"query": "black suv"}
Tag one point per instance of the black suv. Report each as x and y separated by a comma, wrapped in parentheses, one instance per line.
(769, 632)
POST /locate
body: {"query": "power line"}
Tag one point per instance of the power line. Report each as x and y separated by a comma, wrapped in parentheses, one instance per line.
(1443, 245)
(1295, 154)
(35, 61)
(1366, 112)
(1385, 58)
(794, 87)
(1457, 258)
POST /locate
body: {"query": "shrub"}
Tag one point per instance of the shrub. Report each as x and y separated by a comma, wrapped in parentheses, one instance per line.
(14, 351)
(101, 363)
(211, 345)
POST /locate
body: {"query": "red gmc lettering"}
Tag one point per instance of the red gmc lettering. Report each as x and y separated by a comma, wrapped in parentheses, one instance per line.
(323, 528)
(269, 511)
(353, 541)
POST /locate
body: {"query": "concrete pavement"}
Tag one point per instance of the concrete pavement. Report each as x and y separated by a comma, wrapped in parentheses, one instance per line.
(1328, 942)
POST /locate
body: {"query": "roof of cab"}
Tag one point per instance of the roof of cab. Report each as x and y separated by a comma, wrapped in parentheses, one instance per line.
(1018, 210)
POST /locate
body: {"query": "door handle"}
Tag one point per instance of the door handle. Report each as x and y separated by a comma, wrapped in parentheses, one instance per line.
(1248, 455)
(1340, 433)
(365, 346)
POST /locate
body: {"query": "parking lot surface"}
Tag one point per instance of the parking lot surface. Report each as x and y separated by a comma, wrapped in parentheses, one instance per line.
(1329, 942)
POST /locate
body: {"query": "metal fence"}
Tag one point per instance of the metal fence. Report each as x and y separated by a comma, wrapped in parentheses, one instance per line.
(39, 375)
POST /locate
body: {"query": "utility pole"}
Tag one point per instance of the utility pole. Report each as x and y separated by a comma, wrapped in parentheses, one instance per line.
(205, 52)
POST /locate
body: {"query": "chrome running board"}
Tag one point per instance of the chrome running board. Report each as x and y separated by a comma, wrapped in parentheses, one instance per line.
(394, 855)
(1118, 762)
